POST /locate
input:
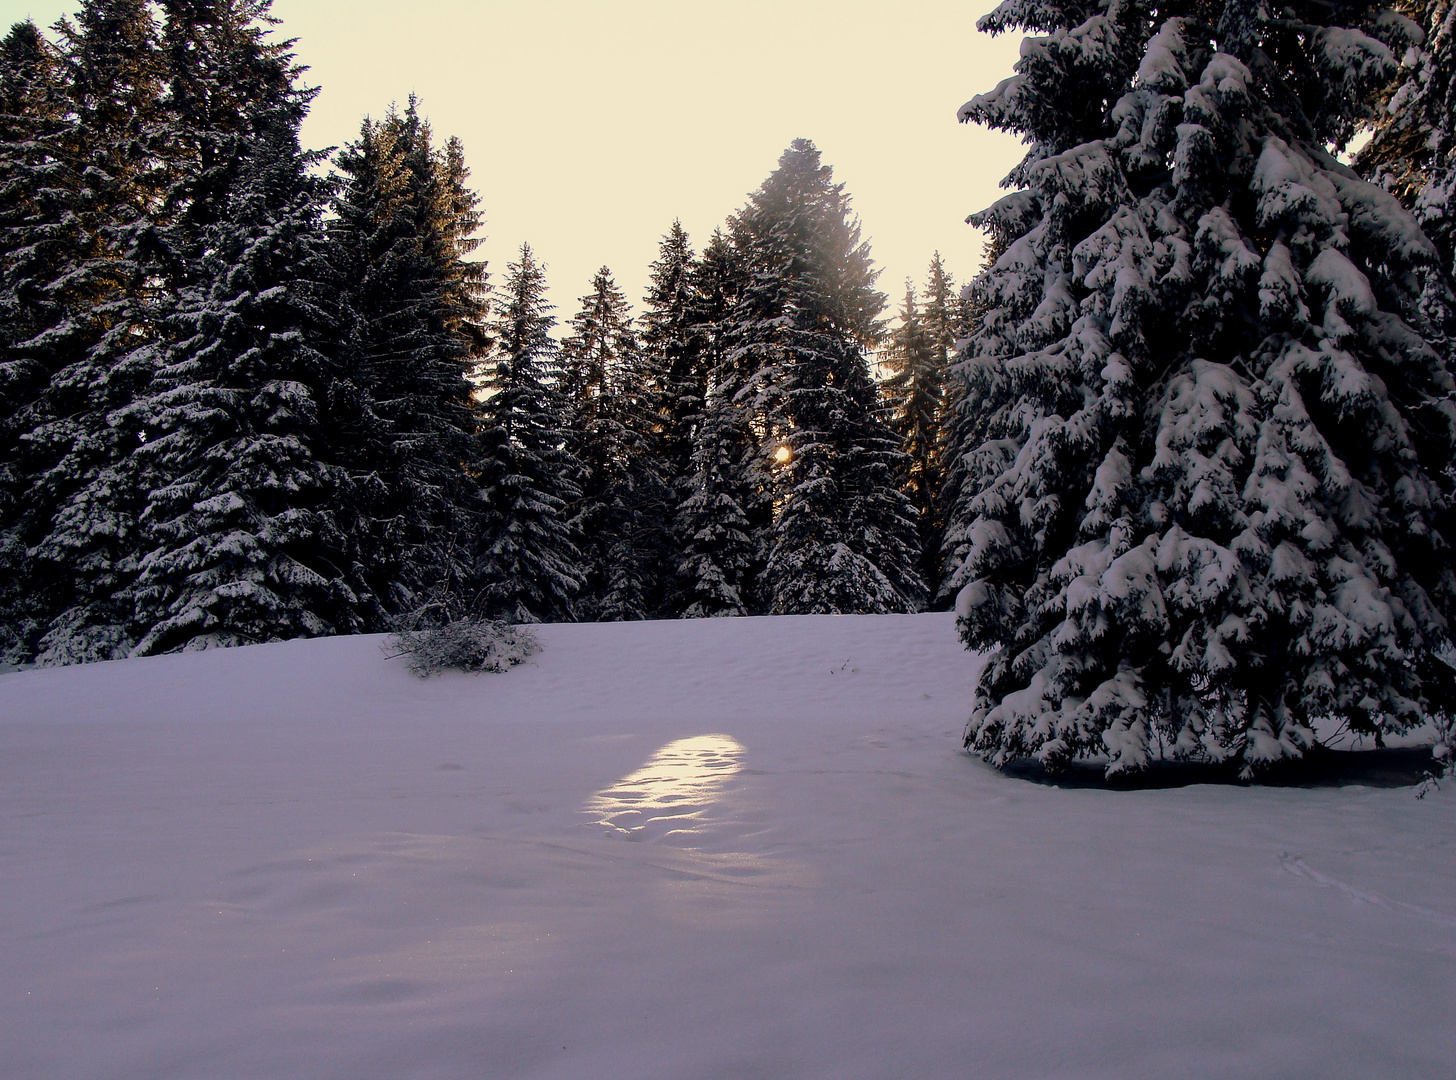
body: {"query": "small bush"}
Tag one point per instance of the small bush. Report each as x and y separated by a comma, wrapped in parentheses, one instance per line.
(465, 645)
(1443, 756)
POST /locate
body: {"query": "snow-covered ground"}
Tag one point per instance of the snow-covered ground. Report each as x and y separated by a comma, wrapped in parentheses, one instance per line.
(730, 848)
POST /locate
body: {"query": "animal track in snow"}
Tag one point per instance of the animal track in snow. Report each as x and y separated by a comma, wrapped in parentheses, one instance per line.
(1296, 865)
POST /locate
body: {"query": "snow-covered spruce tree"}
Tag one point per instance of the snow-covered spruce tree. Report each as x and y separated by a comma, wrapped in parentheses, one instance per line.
(913, 392)
(717, 560)
(1413, 149)
(716, 523)
(238, 546)
(1213, 503)
(612, 393)
(674, 335)
(227, 547)
(224, 79)
(399, 418)
(36, 197)
(947, 317)
(944, 311)
(527, 567)
(843, 535)
(99, 351)
(963, 431)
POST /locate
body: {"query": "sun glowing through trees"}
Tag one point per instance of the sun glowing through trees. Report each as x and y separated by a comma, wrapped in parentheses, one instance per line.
(669, 797)
(782, 455)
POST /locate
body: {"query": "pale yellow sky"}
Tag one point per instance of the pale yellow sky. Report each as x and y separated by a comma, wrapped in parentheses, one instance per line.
(588, 126)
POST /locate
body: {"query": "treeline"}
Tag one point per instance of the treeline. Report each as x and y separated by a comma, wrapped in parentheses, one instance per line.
(242, 401)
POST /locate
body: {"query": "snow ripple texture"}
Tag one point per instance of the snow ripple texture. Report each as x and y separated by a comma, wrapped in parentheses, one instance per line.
(675, 797)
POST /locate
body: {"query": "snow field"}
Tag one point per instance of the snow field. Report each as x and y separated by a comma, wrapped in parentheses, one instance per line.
(722, 848)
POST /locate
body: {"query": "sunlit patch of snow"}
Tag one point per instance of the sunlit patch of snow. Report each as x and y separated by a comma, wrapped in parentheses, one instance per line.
(672, 796)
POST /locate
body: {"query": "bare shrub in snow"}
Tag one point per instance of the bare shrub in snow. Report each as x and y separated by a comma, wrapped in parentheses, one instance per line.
(1443, 755)
(465, 645)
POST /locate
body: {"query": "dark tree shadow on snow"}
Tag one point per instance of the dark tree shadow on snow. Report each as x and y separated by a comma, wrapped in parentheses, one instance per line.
(1322, 767)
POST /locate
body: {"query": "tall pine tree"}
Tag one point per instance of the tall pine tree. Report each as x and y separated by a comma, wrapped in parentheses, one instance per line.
(101, 351)
(946, 313)
(237, 544)
(718, 554)
(843, 535)
(226, 81)
(399, 418)
(38, 192)
(527, 566)
(947, 316)
(674, 336)
(1212, 499)
(914, 391)
(613, 392)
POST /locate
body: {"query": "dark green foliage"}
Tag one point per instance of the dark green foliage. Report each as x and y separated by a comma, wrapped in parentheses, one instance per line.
(843, 535)
(399, 420)
(1413, 149)
(37, 193)
(226, 84)
(99, 352)
(241, 549)
(717, 561)
(914, 394)
(527, 567)
(963, 431)
(675, 329)
(676, 337)
(613, 398)
(717, 555)
(185, 368)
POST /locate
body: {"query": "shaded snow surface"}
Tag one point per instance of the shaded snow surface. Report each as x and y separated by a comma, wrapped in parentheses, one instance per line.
(732, 848)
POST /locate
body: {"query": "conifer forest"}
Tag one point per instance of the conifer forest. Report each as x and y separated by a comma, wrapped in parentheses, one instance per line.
(1180, 455)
